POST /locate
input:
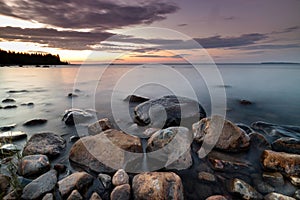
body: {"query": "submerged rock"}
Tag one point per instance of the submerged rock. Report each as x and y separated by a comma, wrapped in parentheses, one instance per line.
(27, 104)
(277, 196)
(33, 165)
(121, 192)
(230, 138)
(40, 186)
(35, 122)
(12, 135)
(120, 178)
(157, 185)
(71, 95)
(245, 102)
(99, 126)
(48, 144)
(8, 100)
(7, 127)
(10, 107)
(136, 98)
(168, 111)
(76, 115)
(281, 162)
(275, 179)
(244, 190)
(285, 144)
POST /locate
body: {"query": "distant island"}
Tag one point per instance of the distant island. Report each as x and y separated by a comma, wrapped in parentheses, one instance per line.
(17, 58)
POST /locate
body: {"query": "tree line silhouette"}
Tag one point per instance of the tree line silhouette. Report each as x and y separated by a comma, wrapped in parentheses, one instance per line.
(21, 58)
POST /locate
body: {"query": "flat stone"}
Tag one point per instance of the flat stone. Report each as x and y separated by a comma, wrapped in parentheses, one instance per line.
(120, 178)
(7, 127)
(95, 196)
(35, 122)
(75, 195)
(78, 180)
(10, 107)
(40, 186)
(157, 185)
(288, 145)
(121, 192)
(99, 126)
(33, 165)
(277, 196)
(12, 135)
(244, 190)
(48, 144)
(105, 179)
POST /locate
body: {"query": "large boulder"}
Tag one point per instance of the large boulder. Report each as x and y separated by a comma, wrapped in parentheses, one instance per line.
(282, 162)
(48, 144)
(168, 111)
(33, 166)
(157, 185)
(220, 134)
(104, 152)
(172, 146)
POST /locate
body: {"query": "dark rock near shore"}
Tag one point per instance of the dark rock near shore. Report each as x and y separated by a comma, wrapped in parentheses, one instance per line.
(121, 192)
(275, 179)
(120, 178)
(10, 107)
(12, 135)
(99, 126)
(245, 102)
(27, 104)
(7, 127)
(40, 186)
(72, 95)
(168, 111)
(8, 100)
(33, 165)
(244, 190)
(48, 144)
(136, 99)
(35, 122)
(73, 116)
(79, 181)
(277, 196)
(281, 162)
(157, 185)
(288, 145)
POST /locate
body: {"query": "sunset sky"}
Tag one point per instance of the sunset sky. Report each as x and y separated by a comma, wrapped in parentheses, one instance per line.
(230, 30)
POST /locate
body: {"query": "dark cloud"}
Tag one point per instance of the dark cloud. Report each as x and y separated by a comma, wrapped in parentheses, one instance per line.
(271, 46)
(87, 13)
(229, 18)
(182, 25)
(156, 56)
(287, 30)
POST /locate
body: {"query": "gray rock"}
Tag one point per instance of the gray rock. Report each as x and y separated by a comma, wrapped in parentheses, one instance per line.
(105, 180)
(99, 126)
(7, 127)
(286, 144)
(12, 135)
(149, 132)
(48, 196)
(244, 190)
(78, 180)
(9, 150)
(277, 196)
(76, 115)
(40, 186)
(297, 194)
(168, 111)
(75, 195)
(136, 98)
(121, 192)
(33, 165)
(120, 178)
(48, 144)
(95, 196)
(8, 100)
(35, 122)
(273, 178)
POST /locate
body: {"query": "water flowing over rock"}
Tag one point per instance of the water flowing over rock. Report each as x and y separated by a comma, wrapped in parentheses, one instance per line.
(33, 165)
(104, 152)
(40, 186)
(99, 126)
(157, 185)
(35, 122)
(244, 190)
(168, 111)
(120, 178)
(224, 134)
(281, 162)
(121, 192)
(48, 144)
(288, 145)
(73, 116)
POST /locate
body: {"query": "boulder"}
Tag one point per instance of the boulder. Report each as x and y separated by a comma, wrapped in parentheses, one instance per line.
(105, 180)
(4, 184)
(33, 165)
(277, 196)
(243, 189)
(35, 122)
(168, 111)
(229, 138)
(99, 126)
(76, 115)
(121, 192)
(7, 127)
(286, 144)
(120, 178)
(104, 152)
(48, 144)
(173, 144)
(157, 185)
(136, 99)
(95, 196)
(75, 195)
(40, 186)
(79, 181)
(12, 135)
(281, 162)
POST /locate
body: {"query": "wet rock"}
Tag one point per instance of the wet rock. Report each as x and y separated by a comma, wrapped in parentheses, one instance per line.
(34, 165)
(60, 168)
(231, 138)
(40, 186)
(78, 180)
(17, 91)
(295, 180)
(76, 115)
(259, 141)
(245, 102)
(12, 135)
(24, 181)
(121, 192)
(157, 185)
(277, 196)
(9, 150)
(10, 107)
(205, 176)
(7, 127)
(95, 196)
(149, 132)
(4, 184)
(27, 104)
(35, 122)
(75, 195)
(104, 152)
(288, 145)
(281, 162)
(99, 126)
(48, 144)
(168, 111)
(74, 138)
(136, 98)
(105, 180)
(275, 179)
(8, 100)
(260, 185)
(243, 189)
(244, 127)
(216, 197)
(297, 194)
(174, 143)
(48, 196)
(72, 95)
(120, 178)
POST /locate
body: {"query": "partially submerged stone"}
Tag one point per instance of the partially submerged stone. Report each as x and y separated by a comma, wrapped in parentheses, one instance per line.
(33, 165)
(12, 135)
(73, 116)
(35, 122)
(99, 126)
(136, 98)
(7, 127)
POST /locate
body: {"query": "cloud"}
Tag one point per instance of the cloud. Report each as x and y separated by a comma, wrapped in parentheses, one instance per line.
(271, 46)
(229, 18)
(182, 25)
(87, 13)
(287, 30)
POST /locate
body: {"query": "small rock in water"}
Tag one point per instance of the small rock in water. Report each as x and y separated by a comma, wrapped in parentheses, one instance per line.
(7, 127)
(75, 195)
(8, 100)
(120, 178)
(121, 192)
(48, 144)
(12, 135)
(40, 186)
(136, 99)
(10, 107)
(244, 190)
(34, 165)
(74, 138)
(288, 145)
(17, 91)
(35, 122)
(105, 180)
(27, 104)
(149, 132)
(71, 95)
(76, 115)
(275, 179)
(245, 102)
(99, 126)
(277, 196)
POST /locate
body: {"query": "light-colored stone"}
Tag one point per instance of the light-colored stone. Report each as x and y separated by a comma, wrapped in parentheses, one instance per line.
(48, 196)
(295, 180)
(243, 189)
(99, 126)
(75, 195)
(205, 176)
(95, 196)
(216, 197)
(105, 180)
(277, 196)
(120, 178)
(9, 136)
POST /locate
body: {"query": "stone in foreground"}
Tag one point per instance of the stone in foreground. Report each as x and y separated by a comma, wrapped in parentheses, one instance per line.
(33, 165)
(244, 190)
(120, 178)
(75, 195)
(157, 185)
(121, 192)
(277, 196)
(99, 126)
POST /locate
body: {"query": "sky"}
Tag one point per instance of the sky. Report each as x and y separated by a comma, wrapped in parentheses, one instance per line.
(127, 31)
